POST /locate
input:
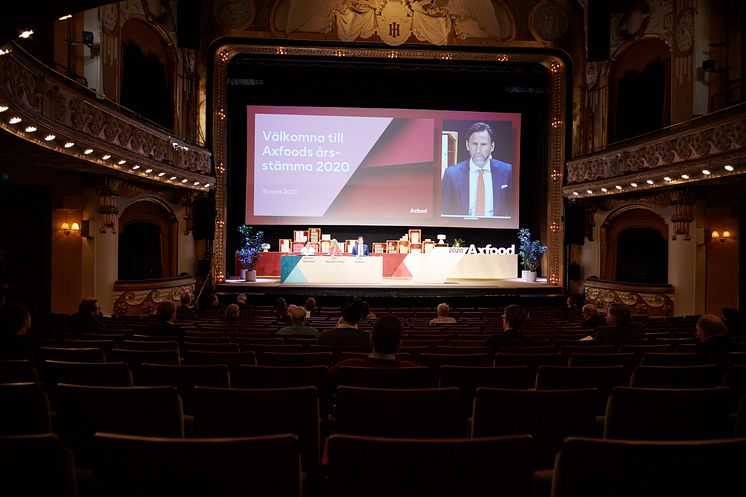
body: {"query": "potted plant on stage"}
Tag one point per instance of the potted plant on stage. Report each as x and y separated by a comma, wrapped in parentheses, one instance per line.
(530, 252)
(249, 250)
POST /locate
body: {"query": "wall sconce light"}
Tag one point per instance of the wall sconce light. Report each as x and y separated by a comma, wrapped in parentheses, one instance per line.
(724, 236)
(67, 229)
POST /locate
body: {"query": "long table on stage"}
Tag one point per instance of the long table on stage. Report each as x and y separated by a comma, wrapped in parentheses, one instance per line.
(434, 267)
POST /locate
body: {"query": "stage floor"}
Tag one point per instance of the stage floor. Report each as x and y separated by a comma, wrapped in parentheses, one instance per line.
(402, 291)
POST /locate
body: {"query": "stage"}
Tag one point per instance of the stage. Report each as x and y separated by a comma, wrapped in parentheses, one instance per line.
(401, 292)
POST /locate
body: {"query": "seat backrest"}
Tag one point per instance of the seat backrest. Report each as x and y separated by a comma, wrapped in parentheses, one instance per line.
(673, 359)
(520, 349)
(136, 357)
(25, 409)
(218, 347)
(83, 354)
(387, 377)
(702, 376)
(184, 378)
(568, 350)
(593, 467)
(197, 467)
(548, 415)
(602, 378)
(111, 374)
(18, 370)
(85, 410)
(435, 361)
(408, 413)
(372, 467)
(735, 378)
(296, 359)
(533, 361)
(668, 414)
(149, 345)
(231, 359)
(37, 464)
(629, 360)
(224, 412)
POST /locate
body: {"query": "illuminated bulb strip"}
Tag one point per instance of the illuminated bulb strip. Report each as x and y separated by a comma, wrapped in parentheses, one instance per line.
(49, 138)
(196, 183)
(618, 187)
(207, 185)
(172, 178)
(30, 129)
(26, 34)
(161, 174)
(729, 168)
(590, 192)
(667, 178)
(106, 157)
(184, 180)
(69, 144)
(3, 108)
(633, 185)
(706, 172)
(88, 151)
(604, 190)
(650, 182)
(149, 170)
(14, 120)
(684, 176)
(136, 167)
(122, 162)
(575, 193)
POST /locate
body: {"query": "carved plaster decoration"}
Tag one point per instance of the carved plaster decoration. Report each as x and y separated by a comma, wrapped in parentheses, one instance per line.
(682, 215)
(107, 190)
(647, 16)
(142, 299)
(652, 300)
(395, 20)
(684, 35)
(187, 200)
(548, 22)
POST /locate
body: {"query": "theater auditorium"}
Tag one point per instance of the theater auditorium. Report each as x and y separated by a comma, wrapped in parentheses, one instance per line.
(329, 248)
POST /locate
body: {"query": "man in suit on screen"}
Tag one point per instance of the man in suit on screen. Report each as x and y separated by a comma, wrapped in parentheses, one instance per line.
(480, 186)
(360, 248)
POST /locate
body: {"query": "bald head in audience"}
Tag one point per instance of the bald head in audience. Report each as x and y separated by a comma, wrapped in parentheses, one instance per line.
(297, 314)
(710, 325)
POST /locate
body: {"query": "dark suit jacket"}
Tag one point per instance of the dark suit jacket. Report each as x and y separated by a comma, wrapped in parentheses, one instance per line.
(365, 249)
(456, 189)
(629, 331)
(165, 329)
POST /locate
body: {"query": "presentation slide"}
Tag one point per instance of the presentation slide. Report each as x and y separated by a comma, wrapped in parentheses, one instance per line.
(387, 167)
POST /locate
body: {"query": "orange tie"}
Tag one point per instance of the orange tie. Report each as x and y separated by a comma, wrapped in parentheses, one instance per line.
(480, 193)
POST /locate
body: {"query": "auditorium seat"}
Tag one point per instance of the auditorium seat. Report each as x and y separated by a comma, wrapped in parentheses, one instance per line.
(627, 360)
(85, 410)
(602, 378)
(149, 345)
(18, 371)
(127, 465)
(668, 414)
(673, 359)
(211, 346)
(702, 376)
(231, 359)
(224, 412)
(104, 374)
(104, 344)
(363, 466)
(80, 354)
(36, 465)
(547, 415)
(591, 467)
(735, 379)
(435, 361)
(642, 349)
(25, 409)
(376, 377)
(568, 350)
(404, 413)
(295, 359)
(527, 349)
(468, 378)
(533, 361)
(183, 377)
(134, 357)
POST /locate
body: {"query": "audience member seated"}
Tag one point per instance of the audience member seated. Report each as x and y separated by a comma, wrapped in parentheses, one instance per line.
(166, 315)
(281, 311)
(713, 336)
(514, 317)
(184, 312)
(591, 318)
(298, 316)
(241, 301)
(366, 311)
(618, 325)
(310, 306)
(87, 317)
(571, 304)
(232, 313)
(15, 340)
(384, 340)
(442, 317)
(347, 333)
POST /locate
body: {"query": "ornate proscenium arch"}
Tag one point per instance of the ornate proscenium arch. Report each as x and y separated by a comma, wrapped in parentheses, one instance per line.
(552, 232)
(624, 218)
